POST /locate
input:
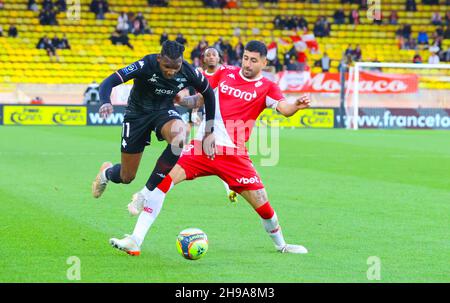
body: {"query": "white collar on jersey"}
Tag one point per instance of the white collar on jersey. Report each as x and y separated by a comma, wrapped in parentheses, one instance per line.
(209, 74)
(247, 79)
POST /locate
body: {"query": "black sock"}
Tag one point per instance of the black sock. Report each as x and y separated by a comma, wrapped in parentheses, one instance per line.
(165, 163)
(113, 174)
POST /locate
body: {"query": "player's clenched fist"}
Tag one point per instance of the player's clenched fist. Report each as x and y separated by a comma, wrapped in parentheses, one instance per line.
(106, 110)
(303, 102)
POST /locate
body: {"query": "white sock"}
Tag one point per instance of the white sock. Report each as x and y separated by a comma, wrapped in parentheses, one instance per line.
(273, 228)
(227, 188)
(146, 193)
(152, 206)
(103, 178)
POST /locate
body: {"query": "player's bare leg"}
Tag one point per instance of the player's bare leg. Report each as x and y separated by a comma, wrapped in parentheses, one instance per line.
(174, 132)
(119, 173)
(259, 201)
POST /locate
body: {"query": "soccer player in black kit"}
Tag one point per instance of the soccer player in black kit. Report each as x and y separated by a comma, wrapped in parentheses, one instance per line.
(157, 80)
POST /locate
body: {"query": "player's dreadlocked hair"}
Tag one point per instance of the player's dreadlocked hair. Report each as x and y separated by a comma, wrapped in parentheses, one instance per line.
(256, 47)
(172, 49)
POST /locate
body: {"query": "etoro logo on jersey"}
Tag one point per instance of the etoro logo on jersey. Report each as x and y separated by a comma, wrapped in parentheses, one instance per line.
(237, 93)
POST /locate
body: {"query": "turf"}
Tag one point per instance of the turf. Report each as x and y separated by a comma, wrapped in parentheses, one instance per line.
(345, 195)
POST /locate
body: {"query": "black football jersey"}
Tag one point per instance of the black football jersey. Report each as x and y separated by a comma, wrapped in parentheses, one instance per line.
(151, 91)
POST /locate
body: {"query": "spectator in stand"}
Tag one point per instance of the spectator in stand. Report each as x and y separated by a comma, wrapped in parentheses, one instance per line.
(447, 18)
(447, 33)
(278, 22)
(212, 3)
(353, 18)
(122, 22)
(120, 38)
(363, 5)
(422, 38)
(163, 3)
(225, 51)
(410, 44)
(142, 23)
(378, 18)
(407, 31)
(239, 52)
(292, 64)
(180, 39)
(436, 19)
(64, 43)
(45, 43)
(302, 24)
(164, 37)
(198, 51)
(325, 63)
(339, 17)
(321, 27)
(439, 32)
(32, 6)
(349, 51)
(446, 55)
(61, 5)
(12, 31)
(417, 58)
(99, 8)
(2, 5)
(290, 23)
(393, 18)
(411, 6)
(55, 41)
(434, 58)
(357, 54)
(47, 5)
(47, 17)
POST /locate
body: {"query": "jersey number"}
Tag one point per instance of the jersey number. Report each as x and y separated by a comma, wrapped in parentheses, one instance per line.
(126, 130)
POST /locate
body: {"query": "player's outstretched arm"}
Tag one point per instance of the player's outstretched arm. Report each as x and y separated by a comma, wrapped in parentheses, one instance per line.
(288, 109)
(105, 90)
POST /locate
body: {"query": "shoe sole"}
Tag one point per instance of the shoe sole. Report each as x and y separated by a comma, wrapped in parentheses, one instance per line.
(98, 180)
(131, 253)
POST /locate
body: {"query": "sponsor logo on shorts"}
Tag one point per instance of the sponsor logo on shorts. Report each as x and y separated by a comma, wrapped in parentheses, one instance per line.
(252, 180)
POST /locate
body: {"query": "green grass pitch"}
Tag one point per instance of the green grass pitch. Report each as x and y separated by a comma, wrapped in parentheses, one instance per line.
(345, 195)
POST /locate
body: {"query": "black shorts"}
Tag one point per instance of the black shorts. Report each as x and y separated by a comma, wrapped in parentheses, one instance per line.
(137, 128)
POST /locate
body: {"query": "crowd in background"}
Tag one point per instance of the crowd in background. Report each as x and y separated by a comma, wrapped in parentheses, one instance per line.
(131, 23)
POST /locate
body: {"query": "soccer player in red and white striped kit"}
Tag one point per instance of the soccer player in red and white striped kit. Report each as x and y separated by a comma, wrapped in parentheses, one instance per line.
(241, 95)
